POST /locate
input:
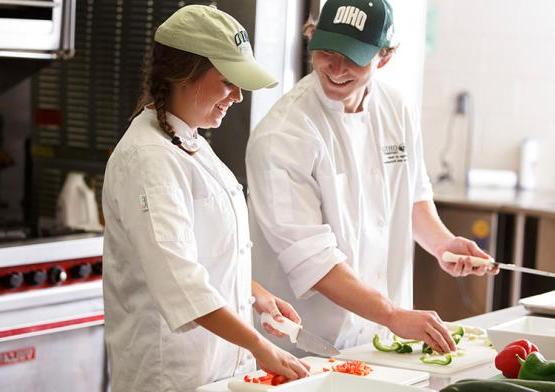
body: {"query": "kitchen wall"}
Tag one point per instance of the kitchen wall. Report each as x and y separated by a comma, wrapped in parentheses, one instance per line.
(405, 69)
(503, 53)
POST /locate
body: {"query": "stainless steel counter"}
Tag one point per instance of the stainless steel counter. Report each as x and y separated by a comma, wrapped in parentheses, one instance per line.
(533, 203)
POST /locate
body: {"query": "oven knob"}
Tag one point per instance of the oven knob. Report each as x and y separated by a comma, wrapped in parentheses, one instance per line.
(81, 271)
(57, 275)
(97, 268)
(35, 278)
(13, 280)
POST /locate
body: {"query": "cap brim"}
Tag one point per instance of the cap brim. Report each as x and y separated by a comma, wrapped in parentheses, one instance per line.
(248, 75)
(359, 52)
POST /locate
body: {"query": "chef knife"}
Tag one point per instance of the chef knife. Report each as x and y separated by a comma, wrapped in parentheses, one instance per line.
(449, 257)
(300, 337)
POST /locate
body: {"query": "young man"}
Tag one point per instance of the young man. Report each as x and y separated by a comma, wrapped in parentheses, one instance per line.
(339, 191)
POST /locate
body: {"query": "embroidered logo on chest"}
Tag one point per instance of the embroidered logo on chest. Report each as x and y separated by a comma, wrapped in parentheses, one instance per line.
(394, 153)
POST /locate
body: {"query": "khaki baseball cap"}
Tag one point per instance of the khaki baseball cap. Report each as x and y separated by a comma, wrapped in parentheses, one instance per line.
(209, 32)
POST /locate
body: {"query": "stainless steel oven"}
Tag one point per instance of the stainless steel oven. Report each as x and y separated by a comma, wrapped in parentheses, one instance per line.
(52, 316)
(38, 29)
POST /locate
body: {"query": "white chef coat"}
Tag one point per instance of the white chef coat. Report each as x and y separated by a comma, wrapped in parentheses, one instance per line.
(328, 187)
(176, 247)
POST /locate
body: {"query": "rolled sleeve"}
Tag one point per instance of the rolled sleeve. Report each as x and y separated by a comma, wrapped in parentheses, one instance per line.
(286, 203)
(311, 270)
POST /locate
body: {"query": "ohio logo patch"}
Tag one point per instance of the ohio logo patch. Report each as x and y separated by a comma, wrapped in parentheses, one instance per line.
(394, 153)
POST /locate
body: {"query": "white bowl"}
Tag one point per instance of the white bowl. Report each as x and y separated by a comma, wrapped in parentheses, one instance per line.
(538, 330)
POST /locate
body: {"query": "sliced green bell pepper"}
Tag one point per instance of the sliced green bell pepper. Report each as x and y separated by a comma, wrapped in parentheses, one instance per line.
(383, 347)
(396, 346)
(442, 360)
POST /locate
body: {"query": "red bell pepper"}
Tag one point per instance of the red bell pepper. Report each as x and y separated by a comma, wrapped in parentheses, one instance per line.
(525, 344)
(506, 360)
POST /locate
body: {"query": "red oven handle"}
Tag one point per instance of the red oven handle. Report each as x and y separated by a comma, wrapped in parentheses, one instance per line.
(52, 326)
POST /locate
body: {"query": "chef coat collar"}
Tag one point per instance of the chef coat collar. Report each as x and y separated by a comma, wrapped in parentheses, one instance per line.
(181, 128)
(338, 105)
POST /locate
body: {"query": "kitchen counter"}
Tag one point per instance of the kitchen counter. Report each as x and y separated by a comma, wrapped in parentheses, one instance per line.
(484, 321)
(534, 203)
(523, 207)
(436, 382)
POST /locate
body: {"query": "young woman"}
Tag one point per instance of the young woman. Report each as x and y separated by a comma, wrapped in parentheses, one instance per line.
(177, 273)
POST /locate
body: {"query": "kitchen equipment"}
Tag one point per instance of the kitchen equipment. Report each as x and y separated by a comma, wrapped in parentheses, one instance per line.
(529, 156)
(538, 330)
(379, 373)
(303, 339)
(52, 316)
(542, 303)
(77, 207)
(449, 257)
(37, 29)
(476, 352)
(492, 178)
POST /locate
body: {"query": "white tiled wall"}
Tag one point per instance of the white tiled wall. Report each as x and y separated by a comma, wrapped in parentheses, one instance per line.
(503, 53)
(404, 71)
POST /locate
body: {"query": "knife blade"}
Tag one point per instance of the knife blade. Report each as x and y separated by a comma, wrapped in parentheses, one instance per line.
(303, 339)
(449, 257)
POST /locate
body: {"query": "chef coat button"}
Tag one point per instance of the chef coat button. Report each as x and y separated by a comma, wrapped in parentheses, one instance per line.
(251, 300)
(242, 307)
(249, 244)
(361, 331)
(233, 192)
(239, 187)
(381, 223)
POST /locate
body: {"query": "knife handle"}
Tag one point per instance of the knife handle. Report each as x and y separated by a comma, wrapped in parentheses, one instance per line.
(449, 257)
(286, 326)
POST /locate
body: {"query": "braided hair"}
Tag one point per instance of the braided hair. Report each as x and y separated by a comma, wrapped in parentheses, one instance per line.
(164, 67)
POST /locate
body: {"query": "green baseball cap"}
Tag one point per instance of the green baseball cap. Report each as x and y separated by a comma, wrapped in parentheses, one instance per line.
(209, 32)
(357, 29)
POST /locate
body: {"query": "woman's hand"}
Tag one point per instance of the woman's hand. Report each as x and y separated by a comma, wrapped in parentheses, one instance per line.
(266, 302)
(272, 359)
(463, 267)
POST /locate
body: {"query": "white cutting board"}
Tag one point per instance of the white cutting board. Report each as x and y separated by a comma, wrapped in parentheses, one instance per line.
(475, 353)
(542, 304)
(399, 376)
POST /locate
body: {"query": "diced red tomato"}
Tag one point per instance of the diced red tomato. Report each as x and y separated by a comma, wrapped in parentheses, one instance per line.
(278, 380)
(357, 368)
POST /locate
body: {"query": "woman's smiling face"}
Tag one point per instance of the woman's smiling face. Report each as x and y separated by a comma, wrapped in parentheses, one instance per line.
(207, 99)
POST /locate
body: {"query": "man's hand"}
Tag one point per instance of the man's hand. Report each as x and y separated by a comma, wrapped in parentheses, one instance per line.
(422, 325)
(463, 267)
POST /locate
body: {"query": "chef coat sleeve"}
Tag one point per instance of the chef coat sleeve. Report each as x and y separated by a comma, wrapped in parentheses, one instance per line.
(156, 207)
(422, 184)
(285, 202)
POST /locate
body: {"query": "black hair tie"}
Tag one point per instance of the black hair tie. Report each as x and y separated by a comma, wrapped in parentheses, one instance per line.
(176, 140)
